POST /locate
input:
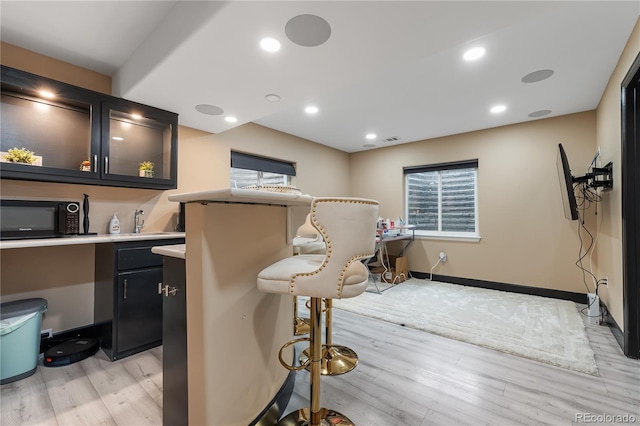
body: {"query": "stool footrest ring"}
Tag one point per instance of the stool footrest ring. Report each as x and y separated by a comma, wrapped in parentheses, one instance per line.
(286, 345)
(307, 304)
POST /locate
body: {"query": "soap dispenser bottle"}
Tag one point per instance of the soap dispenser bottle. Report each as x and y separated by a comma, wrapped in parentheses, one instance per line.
(114, 224)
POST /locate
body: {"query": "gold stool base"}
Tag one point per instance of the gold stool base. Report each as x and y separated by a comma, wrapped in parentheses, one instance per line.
(336, 359)
(302, 417)
(301, 326)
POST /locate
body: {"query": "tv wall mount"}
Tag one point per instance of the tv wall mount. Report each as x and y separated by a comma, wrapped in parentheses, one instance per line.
(598, 177)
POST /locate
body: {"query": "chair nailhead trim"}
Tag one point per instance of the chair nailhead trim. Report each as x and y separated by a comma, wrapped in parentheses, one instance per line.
(320, 228)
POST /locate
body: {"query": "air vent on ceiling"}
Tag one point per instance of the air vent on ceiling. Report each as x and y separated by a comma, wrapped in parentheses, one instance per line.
(391, 139)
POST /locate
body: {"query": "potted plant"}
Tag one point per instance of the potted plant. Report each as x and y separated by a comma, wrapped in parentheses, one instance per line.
(146, 169)
(20, 155)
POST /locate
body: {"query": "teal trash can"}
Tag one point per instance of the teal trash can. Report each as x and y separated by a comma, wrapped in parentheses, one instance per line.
(20, 323)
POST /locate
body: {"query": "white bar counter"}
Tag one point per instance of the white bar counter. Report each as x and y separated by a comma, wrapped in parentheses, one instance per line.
(244, 196)
(234, 331)
(178, 251)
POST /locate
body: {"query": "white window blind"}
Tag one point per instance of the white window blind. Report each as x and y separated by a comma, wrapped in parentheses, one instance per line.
(441, 199)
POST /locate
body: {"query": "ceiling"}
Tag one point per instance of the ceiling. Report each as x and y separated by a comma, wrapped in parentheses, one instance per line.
(391, 68)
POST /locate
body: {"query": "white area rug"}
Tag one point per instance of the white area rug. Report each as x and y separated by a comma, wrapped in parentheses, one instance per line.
(539, 328)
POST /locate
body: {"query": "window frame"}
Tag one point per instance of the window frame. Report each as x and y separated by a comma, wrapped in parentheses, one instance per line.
(260, 165)
(439, 234)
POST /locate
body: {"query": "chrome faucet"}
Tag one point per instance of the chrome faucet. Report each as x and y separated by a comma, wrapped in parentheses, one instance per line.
(138, 222)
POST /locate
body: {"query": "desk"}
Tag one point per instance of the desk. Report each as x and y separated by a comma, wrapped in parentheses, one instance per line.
(88, 239)
(382, 253)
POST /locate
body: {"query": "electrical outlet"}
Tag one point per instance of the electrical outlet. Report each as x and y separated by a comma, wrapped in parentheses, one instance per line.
(443, 256)
(599, 159)
(48, 333)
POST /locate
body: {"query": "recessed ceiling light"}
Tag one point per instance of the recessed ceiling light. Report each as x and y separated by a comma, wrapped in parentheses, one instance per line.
(230, 119)
(370, 136)
(473, 54)
(270, 44)
(369, 145)
(271, 97)
(209, 109)
(540, 113)
(498, 108)
(136, 116)
(47, 94)
(536, 76)
(311, 109)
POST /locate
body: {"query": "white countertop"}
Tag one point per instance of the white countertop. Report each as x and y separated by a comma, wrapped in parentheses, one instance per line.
(176, 250)
(89, 239)
(245, 196)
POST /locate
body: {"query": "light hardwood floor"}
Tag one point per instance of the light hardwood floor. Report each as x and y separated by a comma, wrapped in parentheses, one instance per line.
(405, 377)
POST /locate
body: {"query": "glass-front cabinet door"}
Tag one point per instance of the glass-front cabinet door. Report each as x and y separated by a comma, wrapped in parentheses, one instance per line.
(53, 131)
(138, 144)
(48, 129)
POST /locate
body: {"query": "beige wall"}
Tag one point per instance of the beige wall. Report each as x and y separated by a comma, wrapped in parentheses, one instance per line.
(203, 164)
(525, 238)
(63, 276)
(609, 137)
(46, 66)
(320, 170)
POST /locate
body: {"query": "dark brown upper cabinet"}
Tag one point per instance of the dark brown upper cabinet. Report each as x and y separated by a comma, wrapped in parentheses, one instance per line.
(84, 137)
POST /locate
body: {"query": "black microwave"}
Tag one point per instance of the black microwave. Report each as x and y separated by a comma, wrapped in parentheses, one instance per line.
(21, 219)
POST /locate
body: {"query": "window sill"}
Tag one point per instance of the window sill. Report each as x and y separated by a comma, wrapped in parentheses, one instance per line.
(471, 239)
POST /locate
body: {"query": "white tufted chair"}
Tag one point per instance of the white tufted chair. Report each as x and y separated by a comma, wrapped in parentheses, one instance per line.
(348, 227)
(336, 359)
(307, 241)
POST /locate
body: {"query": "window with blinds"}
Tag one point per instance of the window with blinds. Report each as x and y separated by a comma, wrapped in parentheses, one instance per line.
(248, 170)
(442, 199)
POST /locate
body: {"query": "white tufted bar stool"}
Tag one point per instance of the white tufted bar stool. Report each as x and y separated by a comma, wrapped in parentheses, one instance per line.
(336, 359)
(348, 227)
(307, 241)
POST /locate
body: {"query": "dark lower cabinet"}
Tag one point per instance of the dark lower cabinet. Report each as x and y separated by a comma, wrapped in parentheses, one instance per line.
(139, 310)
(175, 407)
(127, 305)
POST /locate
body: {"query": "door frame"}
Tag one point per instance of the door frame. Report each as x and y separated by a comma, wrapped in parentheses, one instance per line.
(630, 112)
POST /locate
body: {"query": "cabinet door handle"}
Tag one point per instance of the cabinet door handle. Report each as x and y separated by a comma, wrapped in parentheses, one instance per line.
(125, 289)
(160, 289)
(95, 163)
(106, 165)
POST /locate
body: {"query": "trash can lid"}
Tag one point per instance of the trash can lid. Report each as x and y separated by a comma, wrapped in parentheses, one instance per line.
(17, 308)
